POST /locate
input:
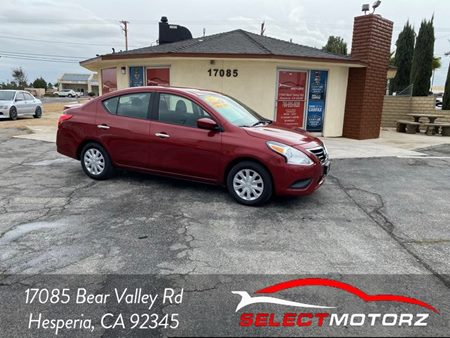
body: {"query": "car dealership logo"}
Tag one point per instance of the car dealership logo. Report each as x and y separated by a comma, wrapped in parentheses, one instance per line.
(327, 317)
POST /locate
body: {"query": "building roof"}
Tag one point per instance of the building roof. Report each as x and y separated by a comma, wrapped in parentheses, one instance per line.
(70, 77)
(237, 43)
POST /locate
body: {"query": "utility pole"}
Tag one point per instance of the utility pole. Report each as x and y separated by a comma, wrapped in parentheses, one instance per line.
(125, 29)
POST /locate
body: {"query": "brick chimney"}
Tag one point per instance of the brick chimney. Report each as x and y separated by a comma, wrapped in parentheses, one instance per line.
(371, 44)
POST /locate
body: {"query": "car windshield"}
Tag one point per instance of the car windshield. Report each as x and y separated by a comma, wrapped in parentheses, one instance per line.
(232, 110)
(7, 96)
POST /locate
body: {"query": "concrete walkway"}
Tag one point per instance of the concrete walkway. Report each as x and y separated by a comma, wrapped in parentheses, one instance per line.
(390, 143)
(40, 133)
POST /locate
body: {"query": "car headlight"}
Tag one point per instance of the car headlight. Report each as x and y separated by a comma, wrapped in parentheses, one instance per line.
(3, 107)
(292, 155)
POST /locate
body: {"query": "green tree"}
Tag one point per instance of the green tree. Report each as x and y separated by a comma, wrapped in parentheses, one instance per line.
(20, 78)
(392, 59)
(446, 99)
(336, 45)
(436, 64)
(422, 70)
(40, 83)
(50, 85)
(403, 58)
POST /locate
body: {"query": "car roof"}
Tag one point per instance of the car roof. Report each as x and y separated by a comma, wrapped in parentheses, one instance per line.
(188, 90)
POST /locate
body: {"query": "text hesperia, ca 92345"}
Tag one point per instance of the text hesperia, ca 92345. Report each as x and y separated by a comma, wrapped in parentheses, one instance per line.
(147, 319)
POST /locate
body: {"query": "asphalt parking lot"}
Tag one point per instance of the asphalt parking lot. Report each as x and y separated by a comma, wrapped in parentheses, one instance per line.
(373, 216)
(379, 222)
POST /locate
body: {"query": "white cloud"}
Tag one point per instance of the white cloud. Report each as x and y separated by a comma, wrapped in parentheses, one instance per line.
(95, 24)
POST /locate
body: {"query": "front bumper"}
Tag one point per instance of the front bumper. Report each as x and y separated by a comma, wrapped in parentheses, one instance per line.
(4, 113)
(292, 180)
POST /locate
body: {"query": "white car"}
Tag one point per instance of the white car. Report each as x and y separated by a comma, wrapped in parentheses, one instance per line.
(15, 103)
(67, 93)
(439, 103)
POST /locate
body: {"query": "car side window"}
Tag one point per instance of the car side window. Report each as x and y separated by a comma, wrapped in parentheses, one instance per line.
(134, 105)
(111, 104)
(20, 97)
(28, 97)
(174, 109)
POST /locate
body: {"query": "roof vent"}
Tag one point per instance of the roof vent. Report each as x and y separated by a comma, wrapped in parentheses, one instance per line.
(169, 33)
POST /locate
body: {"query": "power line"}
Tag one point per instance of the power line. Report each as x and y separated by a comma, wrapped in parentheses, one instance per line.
(37, 59)
(52, 41)
(45, 55)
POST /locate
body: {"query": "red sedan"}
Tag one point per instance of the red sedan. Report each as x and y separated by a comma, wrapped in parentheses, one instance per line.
(196, 135)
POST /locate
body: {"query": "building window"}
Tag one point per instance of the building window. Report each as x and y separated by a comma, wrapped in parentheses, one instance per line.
(109, 80)
(158, 76)
(136, 75)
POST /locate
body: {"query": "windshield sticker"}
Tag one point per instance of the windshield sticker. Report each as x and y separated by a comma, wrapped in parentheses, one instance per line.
(216, 102)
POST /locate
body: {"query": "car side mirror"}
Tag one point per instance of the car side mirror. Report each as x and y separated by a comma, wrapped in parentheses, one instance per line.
(207, 123)
(18, 99)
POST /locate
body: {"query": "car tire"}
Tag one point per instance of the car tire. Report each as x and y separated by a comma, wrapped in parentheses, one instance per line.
(13, 113)
(96, 162)
(249, 183)
(37, 113)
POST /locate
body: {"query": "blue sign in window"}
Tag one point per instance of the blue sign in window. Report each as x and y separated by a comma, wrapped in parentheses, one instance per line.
(316, 100)
(136, 76)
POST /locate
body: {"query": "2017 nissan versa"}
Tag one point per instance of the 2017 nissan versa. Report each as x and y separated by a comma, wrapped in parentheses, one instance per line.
(196, 135)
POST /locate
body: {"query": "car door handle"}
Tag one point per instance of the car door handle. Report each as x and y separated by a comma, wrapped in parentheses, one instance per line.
(103, 126)
(162, 135)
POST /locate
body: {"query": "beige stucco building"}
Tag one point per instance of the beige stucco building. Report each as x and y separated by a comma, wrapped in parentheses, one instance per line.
(257, 70)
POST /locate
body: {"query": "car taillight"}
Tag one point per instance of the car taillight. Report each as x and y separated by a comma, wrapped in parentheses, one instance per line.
(64, 117)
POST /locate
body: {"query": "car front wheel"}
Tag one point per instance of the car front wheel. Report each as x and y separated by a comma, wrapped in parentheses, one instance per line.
(37, 113)
(13, 113)
(95, 162)
(249, 183)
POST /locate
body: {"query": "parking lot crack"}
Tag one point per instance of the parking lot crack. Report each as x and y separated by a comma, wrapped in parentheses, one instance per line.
(376, 215)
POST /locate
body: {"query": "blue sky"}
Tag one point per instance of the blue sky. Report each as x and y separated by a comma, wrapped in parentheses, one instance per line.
(75, 30)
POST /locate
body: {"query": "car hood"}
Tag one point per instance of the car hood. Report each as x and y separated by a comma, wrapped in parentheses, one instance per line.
(290, 137)
(3, 102)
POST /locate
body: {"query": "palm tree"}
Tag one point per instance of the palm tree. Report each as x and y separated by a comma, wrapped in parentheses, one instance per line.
(436, 64)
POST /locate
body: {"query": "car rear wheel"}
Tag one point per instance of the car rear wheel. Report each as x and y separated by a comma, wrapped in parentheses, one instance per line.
(95, 162)
(37, 113)
(249, 183)
(13, 113)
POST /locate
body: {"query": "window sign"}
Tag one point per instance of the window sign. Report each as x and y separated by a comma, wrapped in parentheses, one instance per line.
(136, 76)
(316, 100)
(291, 98)
(109, 80)
(158, 76)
